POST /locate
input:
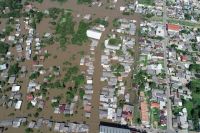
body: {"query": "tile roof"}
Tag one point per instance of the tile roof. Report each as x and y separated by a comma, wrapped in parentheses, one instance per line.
(173, 27)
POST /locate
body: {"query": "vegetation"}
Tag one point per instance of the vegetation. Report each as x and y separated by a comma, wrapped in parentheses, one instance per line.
(79, 80)
(149, 15)
(8, 30)
(140, 79)
(54, 12)
(84, 1)
(70, 94)
(15, 7)
(3, 48)
(194, 105)
(187, 16)
(101, 21)
(29, 105)
(64, 28)
(116, 23)
(80, 36)
(147, 2)
(115, 41)
(28, 130)
(117, 69)
(155, 115)
(81, 93)
(194, 85)
(34, 75)
(195, 68)
(119, 52)
(14, 69)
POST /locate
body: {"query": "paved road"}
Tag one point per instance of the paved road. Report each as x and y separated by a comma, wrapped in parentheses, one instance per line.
(166, 41)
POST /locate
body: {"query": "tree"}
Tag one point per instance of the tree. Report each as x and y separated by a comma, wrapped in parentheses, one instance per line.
(14, 69)
(116, 23)
(84, 1)
(3, 47)
(187, 16)
(194, 67)
(101, 21)
(79, 80)
(80, 36)
(29, 105)
(8, 30)
(34, 75)
(36, 114)
(117, 68)
(194, 85)
(81, 93)
(29, 130)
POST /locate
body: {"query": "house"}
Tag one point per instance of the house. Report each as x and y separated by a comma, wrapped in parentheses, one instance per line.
(18, 104)
(6, 123)
(155, 105)
(3, 67)
(173, 28)
(16, 122)
(31, 124)
(182, 119)
(11, 80)
(29, 97)
(112, 129)
(184, 58)
(15, 88)
(144, 111)
(111, 47)
(160, 31)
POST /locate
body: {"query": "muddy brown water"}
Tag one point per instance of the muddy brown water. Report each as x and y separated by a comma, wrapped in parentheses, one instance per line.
(65, 55)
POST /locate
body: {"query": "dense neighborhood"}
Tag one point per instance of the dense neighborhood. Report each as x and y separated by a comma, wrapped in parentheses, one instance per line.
(100, 66)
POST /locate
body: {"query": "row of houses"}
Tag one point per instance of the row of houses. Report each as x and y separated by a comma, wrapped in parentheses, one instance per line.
(94, 34)
(117, 61)
(181, 56)
(153, 97)
(63, 127)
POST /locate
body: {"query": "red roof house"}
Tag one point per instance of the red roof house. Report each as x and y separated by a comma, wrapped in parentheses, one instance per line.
(155, 105)
(29, 97)
(173, 27)
(184, 58)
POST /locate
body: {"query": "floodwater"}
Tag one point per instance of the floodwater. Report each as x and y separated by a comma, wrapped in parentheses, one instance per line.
(44, 26)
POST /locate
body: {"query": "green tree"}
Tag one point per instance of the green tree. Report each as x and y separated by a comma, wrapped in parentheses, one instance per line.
(14, 69)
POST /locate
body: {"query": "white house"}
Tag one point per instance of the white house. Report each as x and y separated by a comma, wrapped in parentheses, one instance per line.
(18, 105)
(94, 34)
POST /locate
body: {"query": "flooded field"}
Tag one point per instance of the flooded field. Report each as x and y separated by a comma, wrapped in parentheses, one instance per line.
(58, 56)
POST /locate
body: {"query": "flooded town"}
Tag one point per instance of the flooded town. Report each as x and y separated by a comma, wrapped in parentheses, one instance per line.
(99, 66)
